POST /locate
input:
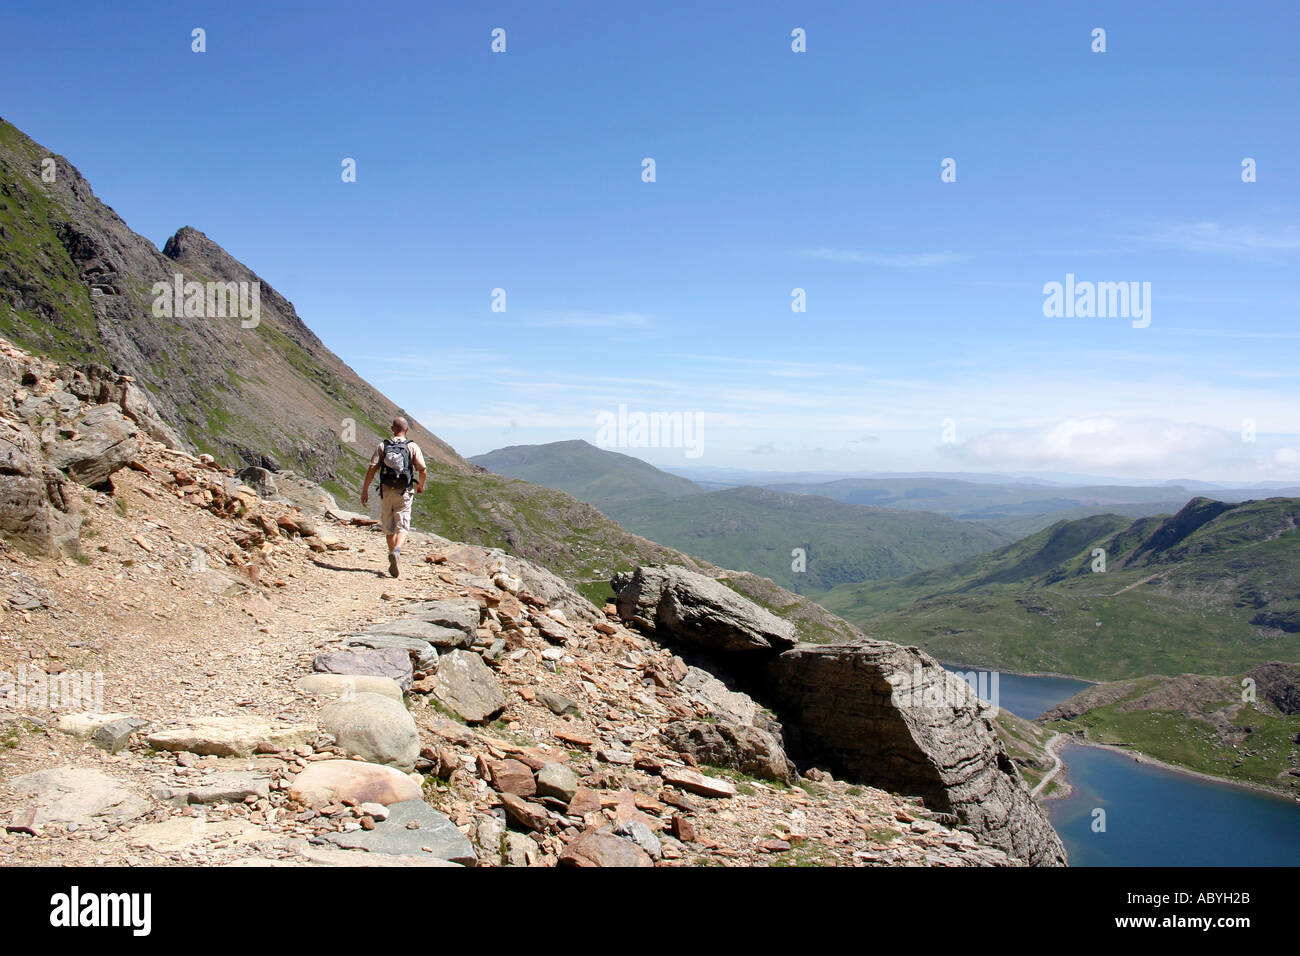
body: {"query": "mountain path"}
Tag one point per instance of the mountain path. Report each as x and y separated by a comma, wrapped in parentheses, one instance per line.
(1049, 749)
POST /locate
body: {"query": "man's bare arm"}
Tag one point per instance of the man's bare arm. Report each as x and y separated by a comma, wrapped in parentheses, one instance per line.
(365, 485)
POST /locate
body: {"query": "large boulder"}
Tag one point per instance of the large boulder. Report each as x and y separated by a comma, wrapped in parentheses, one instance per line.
(468, 688)
(260, 480)
(375, 728)
(104, 441)
(892, 717)
(722, 702)
(99, 384)
(36, 513)
(137, 407)
(748, 749)
(692, 607)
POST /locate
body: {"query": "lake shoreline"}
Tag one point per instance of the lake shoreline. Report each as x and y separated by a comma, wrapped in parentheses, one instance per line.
(1063, 789)
(1062, 786)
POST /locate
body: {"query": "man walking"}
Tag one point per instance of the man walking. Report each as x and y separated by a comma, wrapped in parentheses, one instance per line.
(397, 460)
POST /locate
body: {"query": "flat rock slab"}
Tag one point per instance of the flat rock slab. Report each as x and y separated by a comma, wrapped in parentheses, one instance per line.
(79, 795)
(85, 724)
(230, 736)
(443, 638)
(375, 728)
(468, 688)
(434, 836)
(346, 686)
(389, 662)
(222, 786)
(696, 782)
(460, 615)
(179, 833)
(423, 655)
(336, 856)
(603, 848)
(327, 781)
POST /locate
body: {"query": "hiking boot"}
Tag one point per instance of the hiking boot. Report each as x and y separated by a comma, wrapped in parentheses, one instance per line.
(392, 563)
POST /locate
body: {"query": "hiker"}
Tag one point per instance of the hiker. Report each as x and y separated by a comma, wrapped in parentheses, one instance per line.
(397, 460)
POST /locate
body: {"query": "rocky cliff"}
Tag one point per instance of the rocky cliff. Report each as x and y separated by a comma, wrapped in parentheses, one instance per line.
(870, 711)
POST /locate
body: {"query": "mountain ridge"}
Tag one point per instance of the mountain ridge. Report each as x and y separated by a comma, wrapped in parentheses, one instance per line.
(1212, 586)
(760, 530)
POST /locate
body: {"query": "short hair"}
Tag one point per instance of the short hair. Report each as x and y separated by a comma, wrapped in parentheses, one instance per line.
(400, 425)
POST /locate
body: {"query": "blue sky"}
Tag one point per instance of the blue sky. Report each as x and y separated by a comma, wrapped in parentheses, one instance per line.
(775, 170)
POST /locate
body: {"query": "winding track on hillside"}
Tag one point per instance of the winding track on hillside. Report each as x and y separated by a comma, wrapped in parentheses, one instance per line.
(1055, 767)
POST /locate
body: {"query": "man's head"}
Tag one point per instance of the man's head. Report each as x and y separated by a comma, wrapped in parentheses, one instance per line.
(399, 426)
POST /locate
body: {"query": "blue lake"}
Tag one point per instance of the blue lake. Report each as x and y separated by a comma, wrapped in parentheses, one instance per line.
(1158, 817)
(1152, 816)
(1026, 697)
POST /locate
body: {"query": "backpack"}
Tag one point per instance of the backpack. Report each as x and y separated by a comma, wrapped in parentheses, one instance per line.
(395, 465)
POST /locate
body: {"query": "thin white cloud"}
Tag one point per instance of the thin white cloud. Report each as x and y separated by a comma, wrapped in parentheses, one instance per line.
(1100, 444)
(1234, 240)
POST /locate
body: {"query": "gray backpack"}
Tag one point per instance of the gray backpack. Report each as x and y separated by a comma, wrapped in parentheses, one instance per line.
(395, 465)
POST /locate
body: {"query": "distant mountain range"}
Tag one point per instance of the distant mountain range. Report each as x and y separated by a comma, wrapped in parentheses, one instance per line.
(806, 543)
(1212, 589)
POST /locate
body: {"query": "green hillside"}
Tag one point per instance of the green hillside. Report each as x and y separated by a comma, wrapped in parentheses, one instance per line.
(757, 530)
(1202, 723)
(594, 475)
(749, 529)
(1213, 588)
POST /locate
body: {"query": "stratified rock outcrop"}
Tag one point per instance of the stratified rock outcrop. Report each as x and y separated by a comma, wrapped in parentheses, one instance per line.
(873, 712)
(694, 608)
(892, 717)
(60, 426)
